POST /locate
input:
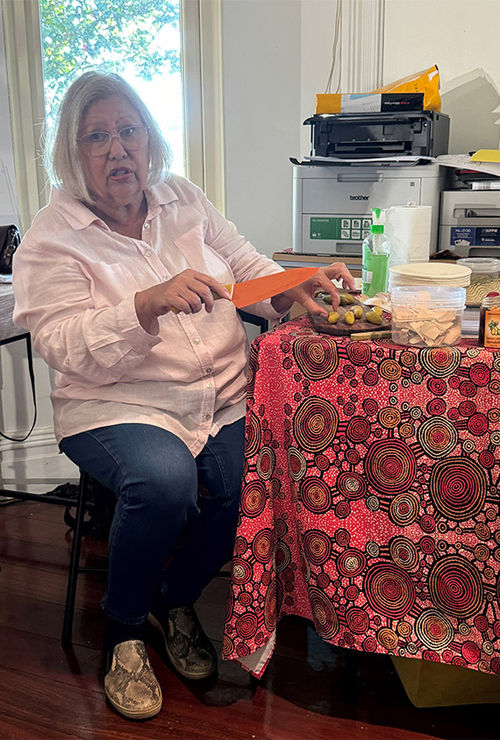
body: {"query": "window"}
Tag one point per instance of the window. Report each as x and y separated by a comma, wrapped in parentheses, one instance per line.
(198, 143)
(139, 40)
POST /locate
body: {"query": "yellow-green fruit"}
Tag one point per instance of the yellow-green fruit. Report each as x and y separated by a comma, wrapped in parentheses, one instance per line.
(345, 299)
(358, 312)
(377, 310)
(349, 317)
(373, 317)
(333, 317)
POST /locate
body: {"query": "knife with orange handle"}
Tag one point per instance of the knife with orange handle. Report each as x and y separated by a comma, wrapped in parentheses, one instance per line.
(252, 291)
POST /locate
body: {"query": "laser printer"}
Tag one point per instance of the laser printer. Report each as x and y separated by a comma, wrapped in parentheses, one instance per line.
(470, 222)
(332, 202)
(415, 133)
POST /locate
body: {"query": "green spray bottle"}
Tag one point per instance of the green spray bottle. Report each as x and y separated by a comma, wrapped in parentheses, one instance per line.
(376, 252)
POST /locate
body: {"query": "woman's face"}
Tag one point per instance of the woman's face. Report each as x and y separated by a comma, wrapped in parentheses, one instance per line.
(118, 177)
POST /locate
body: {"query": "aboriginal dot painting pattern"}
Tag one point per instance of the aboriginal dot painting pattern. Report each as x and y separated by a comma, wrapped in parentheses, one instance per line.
(370, 500)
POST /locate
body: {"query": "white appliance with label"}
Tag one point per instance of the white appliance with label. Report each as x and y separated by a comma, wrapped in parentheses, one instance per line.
(470, 222)
(332, 203)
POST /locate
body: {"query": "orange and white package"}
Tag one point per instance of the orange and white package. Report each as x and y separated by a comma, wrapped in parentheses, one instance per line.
(426, 82)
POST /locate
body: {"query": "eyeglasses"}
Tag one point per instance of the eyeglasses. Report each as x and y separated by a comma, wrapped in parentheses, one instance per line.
(98, 143)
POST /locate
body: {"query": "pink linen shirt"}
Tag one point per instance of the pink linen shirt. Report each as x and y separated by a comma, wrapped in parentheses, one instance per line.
(74, 284)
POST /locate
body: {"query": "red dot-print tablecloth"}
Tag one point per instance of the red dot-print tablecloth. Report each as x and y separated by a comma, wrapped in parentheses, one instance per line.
(370, 499)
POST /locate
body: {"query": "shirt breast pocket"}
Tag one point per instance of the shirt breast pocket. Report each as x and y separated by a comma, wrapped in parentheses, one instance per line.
(202, 257)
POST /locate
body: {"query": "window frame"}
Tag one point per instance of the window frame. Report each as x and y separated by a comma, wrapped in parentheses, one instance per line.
(201, 60)
(201, 65)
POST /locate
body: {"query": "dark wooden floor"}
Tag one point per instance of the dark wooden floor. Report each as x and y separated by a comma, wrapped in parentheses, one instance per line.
(310, 690)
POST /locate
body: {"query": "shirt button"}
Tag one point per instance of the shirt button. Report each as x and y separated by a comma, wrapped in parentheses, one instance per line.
(146, 225)
(209, 385)
(207, 417)
(196, 340)
(148, 252)
(208, 370)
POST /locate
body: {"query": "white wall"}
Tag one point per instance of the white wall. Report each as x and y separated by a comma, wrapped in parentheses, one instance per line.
(462, 38)
(261, 73)
(316, 42)
(276, 57)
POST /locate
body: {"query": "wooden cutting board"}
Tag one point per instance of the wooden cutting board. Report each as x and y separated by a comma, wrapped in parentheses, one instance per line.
(341, 329)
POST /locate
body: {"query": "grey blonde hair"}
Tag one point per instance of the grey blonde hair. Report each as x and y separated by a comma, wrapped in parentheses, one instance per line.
(62, 155)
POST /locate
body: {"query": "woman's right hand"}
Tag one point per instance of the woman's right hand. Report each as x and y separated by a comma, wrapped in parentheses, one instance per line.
(187, 292)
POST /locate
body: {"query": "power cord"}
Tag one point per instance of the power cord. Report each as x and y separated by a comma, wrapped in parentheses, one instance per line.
(31, 371)
(335, 48)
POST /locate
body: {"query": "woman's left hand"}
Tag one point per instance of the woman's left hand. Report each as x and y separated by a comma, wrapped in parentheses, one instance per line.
(322, 280)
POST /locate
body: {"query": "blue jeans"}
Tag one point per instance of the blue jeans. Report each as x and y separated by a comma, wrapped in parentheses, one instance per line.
(175, 516)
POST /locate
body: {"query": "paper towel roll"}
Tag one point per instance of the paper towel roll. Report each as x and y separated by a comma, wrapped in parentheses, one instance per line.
(408, 229)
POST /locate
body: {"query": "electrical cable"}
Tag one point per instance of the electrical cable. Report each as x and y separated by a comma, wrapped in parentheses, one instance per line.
(335, 47)
(31, 372)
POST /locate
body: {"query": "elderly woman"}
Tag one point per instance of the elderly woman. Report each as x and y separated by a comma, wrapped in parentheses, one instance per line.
(116, 281)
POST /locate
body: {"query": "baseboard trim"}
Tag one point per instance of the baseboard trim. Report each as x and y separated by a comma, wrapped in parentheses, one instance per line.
(38, 438)
(35, 462)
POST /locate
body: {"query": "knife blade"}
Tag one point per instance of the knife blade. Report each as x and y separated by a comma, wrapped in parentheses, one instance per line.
(252, 291)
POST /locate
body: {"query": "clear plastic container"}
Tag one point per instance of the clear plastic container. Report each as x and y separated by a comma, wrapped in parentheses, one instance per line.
(482, 269)
(485, 277)
(427, 316)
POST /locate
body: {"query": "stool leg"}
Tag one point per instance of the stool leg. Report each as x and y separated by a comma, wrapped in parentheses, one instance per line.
(74, 565)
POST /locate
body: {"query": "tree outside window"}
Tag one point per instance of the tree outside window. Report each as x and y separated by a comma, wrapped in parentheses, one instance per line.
(139, 39)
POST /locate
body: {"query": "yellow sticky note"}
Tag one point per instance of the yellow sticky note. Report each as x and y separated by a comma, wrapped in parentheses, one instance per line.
(486, 155)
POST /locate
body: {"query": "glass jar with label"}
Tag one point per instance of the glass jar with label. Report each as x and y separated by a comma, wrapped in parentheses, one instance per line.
(489, 321)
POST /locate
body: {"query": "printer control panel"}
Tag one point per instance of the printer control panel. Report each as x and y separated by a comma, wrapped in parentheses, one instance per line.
(341, 228)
